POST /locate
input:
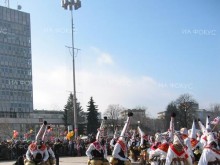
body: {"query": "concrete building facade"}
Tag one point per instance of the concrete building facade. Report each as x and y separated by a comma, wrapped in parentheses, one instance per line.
(16, 92)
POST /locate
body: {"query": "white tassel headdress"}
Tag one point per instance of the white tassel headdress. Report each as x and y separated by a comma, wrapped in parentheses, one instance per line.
(102, 130)
(40, 133)
(143, 136)
(126, 127)
(208, 123)
(193, 131)
(116, 134)
(171, 129)
(47, 134)
(202, 127)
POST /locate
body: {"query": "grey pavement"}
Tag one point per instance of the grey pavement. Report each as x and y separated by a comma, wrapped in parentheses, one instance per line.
(63, 161)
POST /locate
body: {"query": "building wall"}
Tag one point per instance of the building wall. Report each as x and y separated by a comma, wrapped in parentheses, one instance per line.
(16, 94)
(33, 121)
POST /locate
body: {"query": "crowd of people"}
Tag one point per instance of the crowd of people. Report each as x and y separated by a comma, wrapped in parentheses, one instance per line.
(174, 147)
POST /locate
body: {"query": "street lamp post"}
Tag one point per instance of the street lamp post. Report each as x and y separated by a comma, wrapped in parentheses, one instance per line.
(70, 4)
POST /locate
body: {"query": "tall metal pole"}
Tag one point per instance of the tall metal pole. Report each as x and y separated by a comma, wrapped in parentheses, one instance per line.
(74, 83)
(70, 4)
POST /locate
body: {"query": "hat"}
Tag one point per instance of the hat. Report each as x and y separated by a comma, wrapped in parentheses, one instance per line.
(207, 126)
(143, 136)
(102, 130)
(47, 134)
(116, 134)
(171, 129)
(202, 127)
(193, 131)
(124, 132)
(41, 131)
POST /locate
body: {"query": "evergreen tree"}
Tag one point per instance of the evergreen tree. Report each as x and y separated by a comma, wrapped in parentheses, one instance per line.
(80, 119)
(68, 116)
(68, 111)
(92, 117)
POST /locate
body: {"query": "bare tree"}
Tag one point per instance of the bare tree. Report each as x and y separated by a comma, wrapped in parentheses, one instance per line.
(186, 110)
(113, 112)
(215, 109)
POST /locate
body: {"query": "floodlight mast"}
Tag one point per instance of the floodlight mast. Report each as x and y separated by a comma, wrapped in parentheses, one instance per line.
(70, 4)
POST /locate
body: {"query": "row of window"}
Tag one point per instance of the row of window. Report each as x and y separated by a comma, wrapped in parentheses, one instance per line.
(9, 64)
(15, 82)
(7, 115)
(15, 72)
(16, 40)
(15, 76)
(14, 16)
(15, 87)
(20, 105)
(15, 59)
(14, 115)
(9, 109)
(15, 98)
(13, 50)
(16, 63)
(14, 28)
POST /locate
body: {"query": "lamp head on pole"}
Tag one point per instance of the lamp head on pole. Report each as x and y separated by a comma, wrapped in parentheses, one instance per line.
(70, 3)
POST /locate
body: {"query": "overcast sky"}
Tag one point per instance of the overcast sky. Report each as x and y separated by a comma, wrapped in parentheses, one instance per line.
(142, 53)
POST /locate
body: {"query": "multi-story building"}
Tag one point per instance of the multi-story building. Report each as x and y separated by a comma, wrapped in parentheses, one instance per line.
(16, 93)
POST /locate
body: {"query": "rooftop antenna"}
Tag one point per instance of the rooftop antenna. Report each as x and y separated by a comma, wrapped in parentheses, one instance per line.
(7, 3)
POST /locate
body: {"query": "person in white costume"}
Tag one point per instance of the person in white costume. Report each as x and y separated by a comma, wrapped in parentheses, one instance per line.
(37, 151)
(186, 139)
(159, 155)
(97, 151)
(115, 138)
(197, 146)
(178, 153)
(210, 152)
(144, 145)
(205, 130)
(47, 136)
(120, 151)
